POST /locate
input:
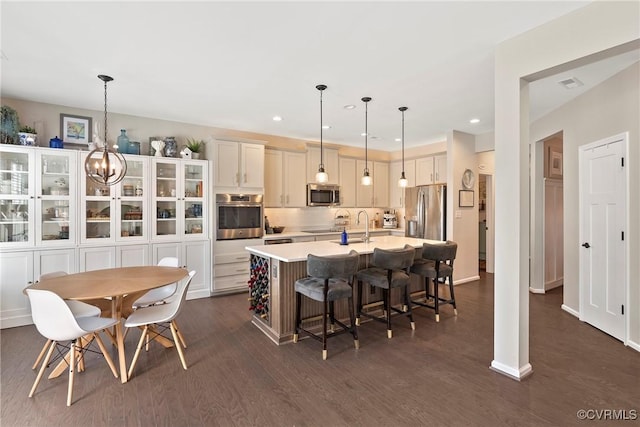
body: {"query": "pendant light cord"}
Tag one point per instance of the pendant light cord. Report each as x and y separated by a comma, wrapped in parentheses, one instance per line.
(321, 151)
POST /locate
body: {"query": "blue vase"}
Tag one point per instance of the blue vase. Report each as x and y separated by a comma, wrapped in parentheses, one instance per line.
(123, 142)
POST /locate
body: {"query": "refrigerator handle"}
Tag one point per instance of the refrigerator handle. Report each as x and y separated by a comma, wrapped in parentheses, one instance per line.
(420, 212)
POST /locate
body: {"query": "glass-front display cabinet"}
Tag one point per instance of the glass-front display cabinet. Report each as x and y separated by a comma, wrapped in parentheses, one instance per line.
(56, 197)
(179, 198)
(17, 176)
(116, 213)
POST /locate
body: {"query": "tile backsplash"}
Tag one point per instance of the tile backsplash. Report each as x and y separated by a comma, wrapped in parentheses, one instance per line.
(297, 219)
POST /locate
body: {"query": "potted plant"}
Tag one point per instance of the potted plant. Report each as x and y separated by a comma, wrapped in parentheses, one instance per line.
(195, 146)
(27, 135)
(8, 125)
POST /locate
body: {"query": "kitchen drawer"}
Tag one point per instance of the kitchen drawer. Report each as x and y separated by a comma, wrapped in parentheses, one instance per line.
(234, 269)
(232, 258)
(231, 282)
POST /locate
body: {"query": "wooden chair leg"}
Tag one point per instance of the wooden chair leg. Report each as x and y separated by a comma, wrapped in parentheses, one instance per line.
(137, 353)
(436, 298)
(453, 296)
(72, 365)
(180, 336)
(45, 347)
(332, 316)
(42, 368)
(103, 349)
(408, 303)
(177, 343)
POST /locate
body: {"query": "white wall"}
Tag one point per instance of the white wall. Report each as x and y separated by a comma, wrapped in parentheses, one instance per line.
(463, 221)
(576, 38)
(609, 109)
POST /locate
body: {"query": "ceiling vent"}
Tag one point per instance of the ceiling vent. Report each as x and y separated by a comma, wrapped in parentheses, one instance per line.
(570, 83)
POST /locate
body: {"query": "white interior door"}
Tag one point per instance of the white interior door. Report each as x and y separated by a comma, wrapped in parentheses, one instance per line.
(602, 225)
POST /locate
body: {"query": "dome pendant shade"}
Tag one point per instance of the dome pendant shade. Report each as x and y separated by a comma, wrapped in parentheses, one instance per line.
(321, 175)
(403, 182)
(105, 166)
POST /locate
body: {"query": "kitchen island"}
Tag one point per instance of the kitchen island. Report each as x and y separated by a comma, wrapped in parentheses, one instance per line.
(275, 268)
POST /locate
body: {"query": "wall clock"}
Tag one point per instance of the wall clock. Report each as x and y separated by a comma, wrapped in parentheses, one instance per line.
(468, 179)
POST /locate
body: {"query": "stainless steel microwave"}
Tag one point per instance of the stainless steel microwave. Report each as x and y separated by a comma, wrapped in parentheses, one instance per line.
(323, 195)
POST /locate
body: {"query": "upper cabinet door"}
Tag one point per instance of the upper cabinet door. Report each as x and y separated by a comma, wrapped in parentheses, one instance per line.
(17, 195)
(273, 197)
(347, 182)
(424, 171)
(364, 193)
(227, 157)
(295, 167)
(330, 161)
(380, 185)
(440, 169)
(252, 161)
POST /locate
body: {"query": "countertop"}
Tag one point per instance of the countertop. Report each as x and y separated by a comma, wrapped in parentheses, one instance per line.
(293, 252)
(353, 231)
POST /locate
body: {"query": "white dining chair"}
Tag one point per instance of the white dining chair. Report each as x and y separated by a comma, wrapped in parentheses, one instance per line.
(78, 308)
(159, 295)
(55, 321)
(158, 316)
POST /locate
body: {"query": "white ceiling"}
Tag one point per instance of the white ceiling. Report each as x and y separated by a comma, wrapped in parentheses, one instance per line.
(237, 64)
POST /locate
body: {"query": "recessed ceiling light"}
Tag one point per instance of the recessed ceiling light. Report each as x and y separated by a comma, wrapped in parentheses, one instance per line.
(474, 121)
(277, 118)
(349, 107)
(398, 140)
(363, 134)
(326, 127)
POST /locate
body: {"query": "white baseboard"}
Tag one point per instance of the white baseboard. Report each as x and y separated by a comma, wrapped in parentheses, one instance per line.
(570, 310)
(513, 373)
(15, 321)
(634, 345)
(465, 280)
(536, 291)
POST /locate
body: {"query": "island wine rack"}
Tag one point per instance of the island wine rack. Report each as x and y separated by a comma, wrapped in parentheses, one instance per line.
(259, 287)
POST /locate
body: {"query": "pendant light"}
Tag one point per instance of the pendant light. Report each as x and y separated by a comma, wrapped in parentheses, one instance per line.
(105, 166)
(321, 176)
(402, 182)
(366, 178)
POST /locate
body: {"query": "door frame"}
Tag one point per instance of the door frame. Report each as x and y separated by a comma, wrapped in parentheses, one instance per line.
(624, 138)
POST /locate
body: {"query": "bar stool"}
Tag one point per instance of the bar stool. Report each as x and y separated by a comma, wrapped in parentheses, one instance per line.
(436, 264)
(390, 269)
(330, 279)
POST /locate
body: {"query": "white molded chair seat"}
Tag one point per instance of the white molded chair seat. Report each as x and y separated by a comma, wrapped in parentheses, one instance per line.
(78, 308)
(159, 295)
(160, 314)
(55, 321)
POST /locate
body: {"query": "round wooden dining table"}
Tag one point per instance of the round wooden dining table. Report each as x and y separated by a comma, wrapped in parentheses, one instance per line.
(116, 284)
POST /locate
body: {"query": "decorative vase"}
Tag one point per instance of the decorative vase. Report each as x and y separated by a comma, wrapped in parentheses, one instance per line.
(158, 147)
(27, 138)
(195, 155)
(123, 142)
(170, 147)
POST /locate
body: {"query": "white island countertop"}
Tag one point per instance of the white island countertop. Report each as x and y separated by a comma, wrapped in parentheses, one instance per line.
(292, 252)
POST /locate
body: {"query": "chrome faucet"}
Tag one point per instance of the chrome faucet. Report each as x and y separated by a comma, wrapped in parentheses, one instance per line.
(365, 238)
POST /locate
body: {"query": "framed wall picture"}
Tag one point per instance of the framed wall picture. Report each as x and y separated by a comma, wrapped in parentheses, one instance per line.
(555, 164)
(75, 129)
(465, 199)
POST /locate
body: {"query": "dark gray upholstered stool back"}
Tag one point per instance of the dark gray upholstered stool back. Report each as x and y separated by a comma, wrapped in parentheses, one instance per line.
(333, 266)
(394, 259)
(440, 252)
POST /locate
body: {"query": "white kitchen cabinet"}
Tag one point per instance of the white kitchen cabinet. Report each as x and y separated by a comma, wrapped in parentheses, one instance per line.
(37, 197)
(431, 170)
(239, 165)
(20, 269)
(380, 184)
(396, 193)
(116, 213)
(179, 194)
(347, 182)
(283, 170)
(231, 265)
(331, 164)
(192, 255)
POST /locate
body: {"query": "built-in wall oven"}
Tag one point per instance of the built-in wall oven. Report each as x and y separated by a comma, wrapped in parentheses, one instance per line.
(239, 216)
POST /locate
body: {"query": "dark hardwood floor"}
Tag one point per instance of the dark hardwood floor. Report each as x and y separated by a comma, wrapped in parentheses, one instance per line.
(436, 375)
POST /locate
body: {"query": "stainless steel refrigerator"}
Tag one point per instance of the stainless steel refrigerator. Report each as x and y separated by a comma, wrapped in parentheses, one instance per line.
(426, 212)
